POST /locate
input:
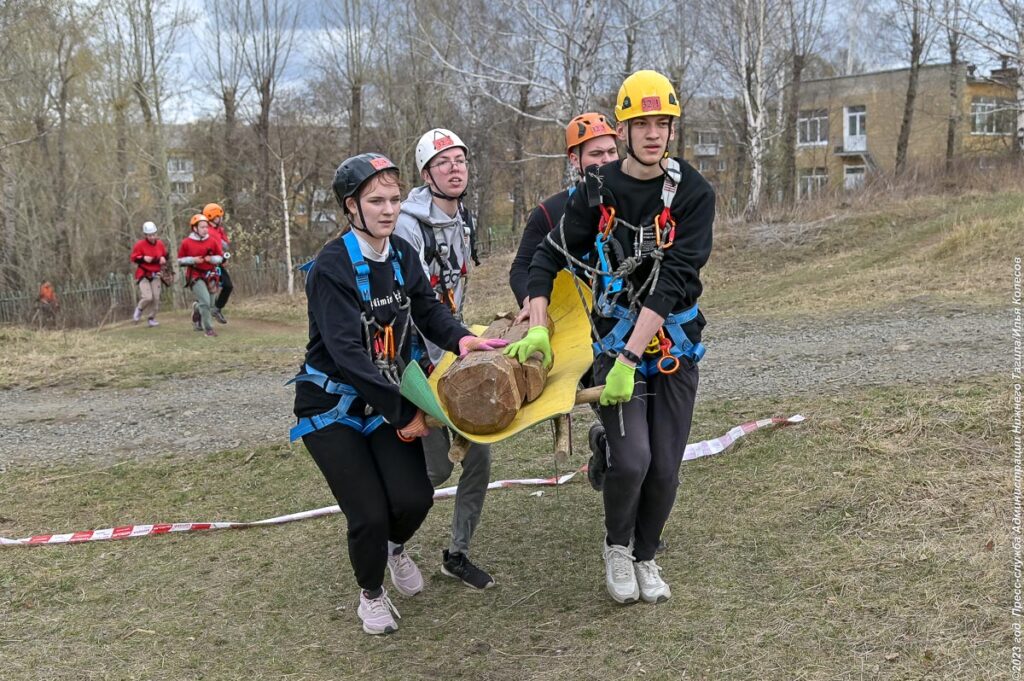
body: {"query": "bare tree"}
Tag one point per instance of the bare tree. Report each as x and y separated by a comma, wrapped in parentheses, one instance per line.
(914, 19)
(269, 27)
(743, 35)
(350, 54)
(221, 60)
(955, 14)
(804, 24)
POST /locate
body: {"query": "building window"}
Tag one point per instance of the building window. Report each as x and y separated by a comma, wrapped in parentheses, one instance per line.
(812, 127)
(179, 165)
(707, 138)
(703, 165)
(721, 165)
(181, 188)
(811, 181)
(853, 177)
(992, 116)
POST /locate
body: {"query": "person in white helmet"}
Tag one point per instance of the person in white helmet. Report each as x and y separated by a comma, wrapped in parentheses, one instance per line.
(149, 254)
(438, 226)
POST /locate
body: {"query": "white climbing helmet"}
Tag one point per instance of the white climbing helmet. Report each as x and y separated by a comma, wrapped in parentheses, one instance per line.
(433, 142)
(148, 227)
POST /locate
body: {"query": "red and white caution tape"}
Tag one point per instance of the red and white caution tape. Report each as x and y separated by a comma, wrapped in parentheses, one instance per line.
(693, 451)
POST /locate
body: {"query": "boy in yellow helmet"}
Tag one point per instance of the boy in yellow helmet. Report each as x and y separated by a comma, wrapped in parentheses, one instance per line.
(649, 220)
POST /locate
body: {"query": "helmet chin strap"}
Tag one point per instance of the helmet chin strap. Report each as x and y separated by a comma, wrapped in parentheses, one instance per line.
(439, 194)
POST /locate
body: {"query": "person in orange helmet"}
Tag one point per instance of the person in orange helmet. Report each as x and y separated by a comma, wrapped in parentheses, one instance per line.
(201, 255)
(215, 217)
(589, 140)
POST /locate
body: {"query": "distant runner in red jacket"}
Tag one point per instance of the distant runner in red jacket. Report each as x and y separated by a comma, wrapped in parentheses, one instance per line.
(149, 253)
(201, 254)
(215, 215)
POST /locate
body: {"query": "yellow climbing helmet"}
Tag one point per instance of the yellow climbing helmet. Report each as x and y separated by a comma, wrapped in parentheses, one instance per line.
(646, 93)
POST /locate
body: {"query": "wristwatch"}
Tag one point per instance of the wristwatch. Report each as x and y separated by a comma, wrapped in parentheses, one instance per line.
(631, 356)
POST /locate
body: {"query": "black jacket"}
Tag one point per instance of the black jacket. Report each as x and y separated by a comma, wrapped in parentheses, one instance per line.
(336, 344)
(638, 202)
(542, 220)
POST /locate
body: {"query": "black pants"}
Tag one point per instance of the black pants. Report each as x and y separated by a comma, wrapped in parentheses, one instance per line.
(643, 467)
(382, 488)
(226, 287)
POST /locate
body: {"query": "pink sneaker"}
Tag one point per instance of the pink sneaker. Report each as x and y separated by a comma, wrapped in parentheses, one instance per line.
(153, 322)
(376, 613)
(404, 574)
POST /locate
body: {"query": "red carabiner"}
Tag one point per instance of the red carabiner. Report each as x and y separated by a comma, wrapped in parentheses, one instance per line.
(668, 364)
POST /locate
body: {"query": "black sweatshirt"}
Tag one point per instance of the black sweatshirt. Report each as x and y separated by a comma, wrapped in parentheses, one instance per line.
(638, 202)
(336, 344)
(542, 220)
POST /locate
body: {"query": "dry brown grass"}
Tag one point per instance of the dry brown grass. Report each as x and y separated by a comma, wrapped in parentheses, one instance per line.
(868, 543)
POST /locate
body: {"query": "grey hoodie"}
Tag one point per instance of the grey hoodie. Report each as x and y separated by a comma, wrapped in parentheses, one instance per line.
(452, 237)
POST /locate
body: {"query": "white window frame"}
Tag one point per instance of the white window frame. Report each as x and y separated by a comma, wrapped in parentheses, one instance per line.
(861, 170)
(810, 129)
(985, 116)
(811, 181)
(721, 165)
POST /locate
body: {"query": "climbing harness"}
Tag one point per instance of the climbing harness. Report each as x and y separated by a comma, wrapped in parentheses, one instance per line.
(379, 340)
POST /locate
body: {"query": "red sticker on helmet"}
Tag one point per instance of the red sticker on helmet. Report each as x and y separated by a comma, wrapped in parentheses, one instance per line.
(650, 104)
(380, 163)
(599, 128)
(442, 142)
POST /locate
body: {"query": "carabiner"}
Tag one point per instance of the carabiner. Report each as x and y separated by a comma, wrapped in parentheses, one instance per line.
(607, 221)
(667, 364)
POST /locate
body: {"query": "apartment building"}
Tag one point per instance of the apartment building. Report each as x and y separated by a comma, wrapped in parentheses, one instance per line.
(848, 126)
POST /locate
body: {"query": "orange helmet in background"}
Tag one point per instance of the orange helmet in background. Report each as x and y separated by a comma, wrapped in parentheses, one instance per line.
(585, 127)
(212, 211)
(196, 219)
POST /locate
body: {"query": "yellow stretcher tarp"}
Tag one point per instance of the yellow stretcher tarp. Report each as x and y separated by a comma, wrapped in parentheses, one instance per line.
(573, 356)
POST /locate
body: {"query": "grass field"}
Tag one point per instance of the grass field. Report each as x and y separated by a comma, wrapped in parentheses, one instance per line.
(867, 543)
(864, 544)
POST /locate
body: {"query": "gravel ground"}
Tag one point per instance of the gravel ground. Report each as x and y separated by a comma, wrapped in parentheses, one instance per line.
(52, 425)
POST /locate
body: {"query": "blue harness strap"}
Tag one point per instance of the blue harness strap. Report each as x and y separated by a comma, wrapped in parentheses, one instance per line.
(339, 414)
(348, 394)
(615, 340)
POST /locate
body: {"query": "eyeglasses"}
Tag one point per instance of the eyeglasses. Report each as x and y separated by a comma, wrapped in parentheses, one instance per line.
(449, 165)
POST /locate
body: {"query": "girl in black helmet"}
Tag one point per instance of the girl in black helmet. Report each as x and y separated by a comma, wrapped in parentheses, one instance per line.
(365, 290)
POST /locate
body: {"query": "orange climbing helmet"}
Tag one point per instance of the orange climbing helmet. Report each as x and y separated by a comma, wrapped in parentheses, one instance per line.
(212, 211)
(585, 127)
(196, 219)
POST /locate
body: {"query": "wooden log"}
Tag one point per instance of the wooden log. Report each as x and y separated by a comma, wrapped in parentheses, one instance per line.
(483, 391)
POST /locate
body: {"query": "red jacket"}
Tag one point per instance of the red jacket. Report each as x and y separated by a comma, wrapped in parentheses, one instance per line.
(220, 235)
(193, 248)
(140, 250)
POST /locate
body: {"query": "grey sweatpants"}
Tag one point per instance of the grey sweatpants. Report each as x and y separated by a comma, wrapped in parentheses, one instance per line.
(472, 487)
(643, 467)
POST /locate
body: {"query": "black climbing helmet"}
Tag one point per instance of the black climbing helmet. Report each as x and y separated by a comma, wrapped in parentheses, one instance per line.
(354, 172)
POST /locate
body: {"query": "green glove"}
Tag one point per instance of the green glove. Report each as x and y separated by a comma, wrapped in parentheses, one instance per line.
(536, 339)
(618, 384)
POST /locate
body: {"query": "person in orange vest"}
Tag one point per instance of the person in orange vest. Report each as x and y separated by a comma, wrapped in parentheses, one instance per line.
(149, 254)
(215, 215)
(201, 255)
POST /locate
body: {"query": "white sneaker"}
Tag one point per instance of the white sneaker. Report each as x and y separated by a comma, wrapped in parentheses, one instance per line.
(404, 574)
(136, 316)
(378, 614)
(653, 588)
(619, 575)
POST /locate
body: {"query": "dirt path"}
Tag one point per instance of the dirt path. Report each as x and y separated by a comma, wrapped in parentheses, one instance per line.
(54, 425)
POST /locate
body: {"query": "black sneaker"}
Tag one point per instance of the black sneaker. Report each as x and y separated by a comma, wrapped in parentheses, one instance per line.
(457, 565)
(219, 316)
(598, 464)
